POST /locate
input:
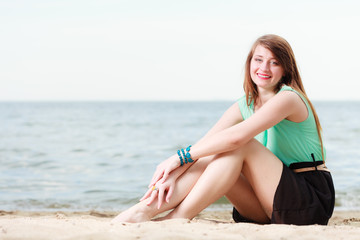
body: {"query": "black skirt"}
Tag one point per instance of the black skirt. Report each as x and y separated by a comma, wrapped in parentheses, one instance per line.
(301, 198)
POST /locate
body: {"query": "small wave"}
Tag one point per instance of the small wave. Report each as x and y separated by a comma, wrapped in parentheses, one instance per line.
(38, 154)
(20, 150)
(39, 164)
(78, 150)
(29, 124)
(348, 199)
(117, 155)
(103, 164)
(96, 191)
(35, 204)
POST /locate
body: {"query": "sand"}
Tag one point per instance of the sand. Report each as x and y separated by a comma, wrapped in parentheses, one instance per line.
(208, 225)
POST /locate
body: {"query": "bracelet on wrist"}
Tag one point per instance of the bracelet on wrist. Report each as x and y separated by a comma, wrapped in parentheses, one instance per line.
(185, 157)
(188, 155)
(180, 157)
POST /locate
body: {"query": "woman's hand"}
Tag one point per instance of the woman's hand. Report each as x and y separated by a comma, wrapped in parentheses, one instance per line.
(164, 169)
(160, 190)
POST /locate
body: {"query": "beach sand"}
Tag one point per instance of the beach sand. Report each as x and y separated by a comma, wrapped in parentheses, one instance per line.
(207, 225)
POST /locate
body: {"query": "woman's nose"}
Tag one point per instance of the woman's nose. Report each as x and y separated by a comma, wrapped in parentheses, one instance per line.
(264, 66)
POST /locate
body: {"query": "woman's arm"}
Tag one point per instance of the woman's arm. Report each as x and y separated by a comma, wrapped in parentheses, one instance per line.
(283, 105)
(221, 139)
(231, 117)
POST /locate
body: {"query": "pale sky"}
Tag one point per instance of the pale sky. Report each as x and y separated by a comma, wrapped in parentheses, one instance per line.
(169, 49)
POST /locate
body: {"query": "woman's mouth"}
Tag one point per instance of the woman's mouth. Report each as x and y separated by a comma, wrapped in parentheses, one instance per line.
(263, 76)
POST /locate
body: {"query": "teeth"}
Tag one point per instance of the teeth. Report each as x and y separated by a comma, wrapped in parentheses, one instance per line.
(263, 76)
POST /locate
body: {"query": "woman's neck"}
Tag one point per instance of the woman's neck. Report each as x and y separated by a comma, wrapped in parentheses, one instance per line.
(264, 96)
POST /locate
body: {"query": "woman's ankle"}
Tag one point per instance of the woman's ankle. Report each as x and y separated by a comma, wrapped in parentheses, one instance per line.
(137, 213)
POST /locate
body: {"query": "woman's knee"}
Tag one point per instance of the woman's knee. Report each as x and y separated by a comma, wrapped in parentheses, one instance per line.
(241, 152)
(201, 164)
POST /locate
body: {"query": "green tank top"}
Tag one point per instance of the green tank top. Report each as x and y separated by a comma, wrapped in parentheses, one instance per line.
(291, 142)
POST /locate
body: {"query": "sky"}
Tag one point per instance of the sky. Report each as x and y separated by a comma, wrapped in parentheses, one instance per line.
(114, 50)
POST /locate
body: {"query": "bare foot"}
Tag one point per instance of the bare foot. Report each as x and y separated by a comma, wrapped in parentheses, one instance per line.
(132, 215)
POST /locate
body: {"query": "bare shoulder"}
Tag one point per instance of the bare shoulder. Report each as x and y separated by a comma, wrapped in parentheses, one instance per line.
(297, 109)
(286, 104)
(289, 95)
(288, 99)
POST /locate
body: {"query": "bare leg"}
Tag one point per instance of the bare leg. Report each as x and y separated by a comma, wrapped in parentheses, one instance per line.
(244, 199)
(208, 179)
(261, 168)
(141, 212)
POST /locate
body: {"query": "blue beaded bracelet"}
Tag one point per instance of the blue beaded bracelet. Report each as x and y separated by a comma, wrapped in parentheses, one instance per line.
(186, 157)
(181, 159)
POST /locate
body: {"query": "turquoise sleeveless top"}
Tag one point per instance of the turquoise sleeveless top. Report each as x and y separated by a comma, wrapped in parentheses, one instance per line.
(291, 142)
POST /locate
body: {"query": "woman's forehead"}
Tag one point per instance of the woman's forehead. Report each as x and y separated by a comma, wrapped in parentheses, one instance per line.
(262, 51)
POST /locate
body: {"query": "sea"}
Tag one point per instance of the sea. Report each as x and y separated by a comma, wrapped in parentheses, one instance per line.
(85, 156)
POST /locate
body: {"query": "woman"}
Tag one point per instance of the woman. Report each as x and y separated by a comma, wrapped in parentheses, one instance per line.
(265, 154)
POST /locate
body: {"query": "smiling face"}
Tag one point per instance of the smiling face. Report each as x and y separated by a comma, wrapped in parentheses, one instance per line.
(265, 70)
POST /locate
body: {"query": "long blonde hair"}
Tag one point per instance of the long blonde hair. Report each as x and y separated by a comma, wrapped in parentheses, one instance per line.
(285, 55)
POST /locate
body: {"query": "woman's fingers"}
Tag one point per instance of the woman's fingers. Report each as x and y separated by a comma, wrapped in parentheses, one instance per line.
(169, 169)
(146, 195)
(153, 178)
(158, 177)
(153, 195)
(160, 197)
(169, 194)
(162, 192)
(166, 174)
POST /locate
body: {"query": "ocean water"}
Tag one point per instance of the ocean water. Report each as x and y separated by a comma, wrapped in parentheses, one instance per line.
(80, 156)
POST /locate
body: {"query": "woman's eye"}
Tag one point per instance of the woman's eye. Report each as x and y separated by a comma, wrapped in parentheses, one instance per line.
(258, 60)
(274, 63)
